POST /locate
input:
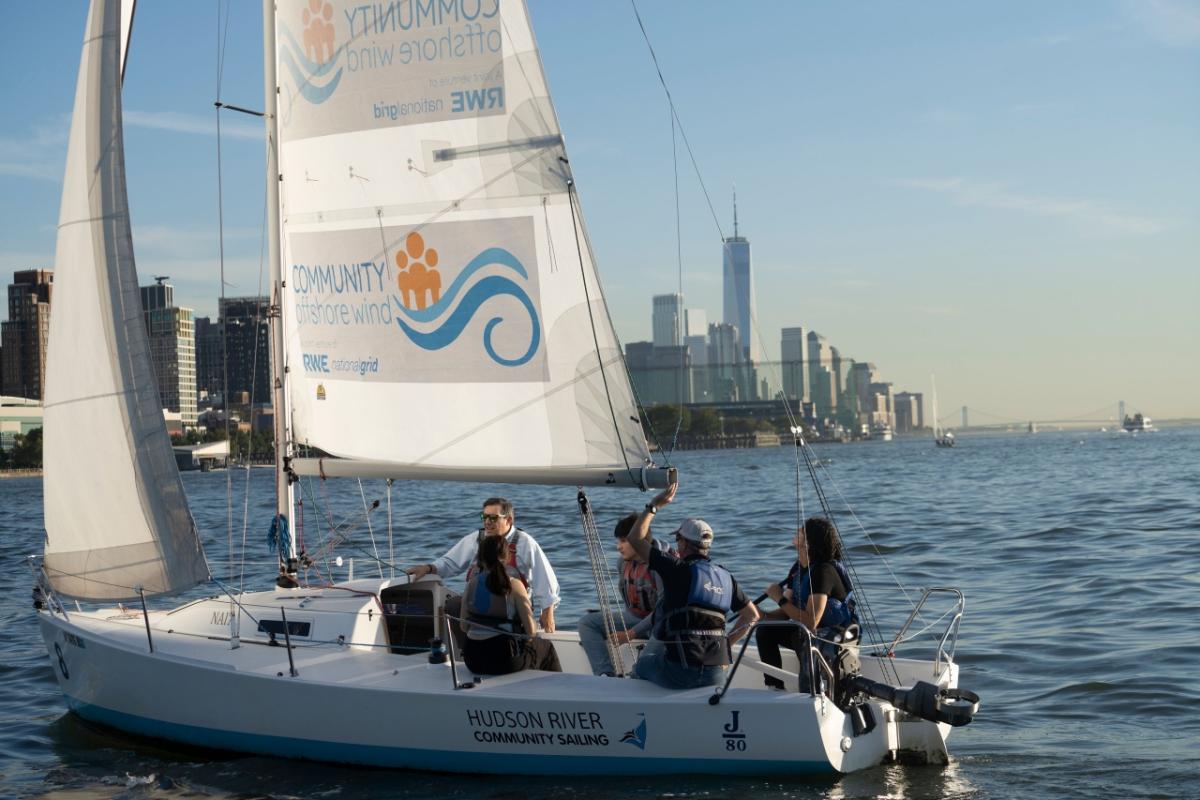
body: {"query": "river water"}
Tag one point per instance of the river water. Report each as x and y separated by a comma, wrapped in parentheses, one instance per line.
(1079, 554)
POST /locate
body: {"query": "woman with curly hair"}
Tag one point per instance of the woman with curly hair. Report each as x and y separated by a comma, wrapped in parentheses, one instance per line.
(816, 593)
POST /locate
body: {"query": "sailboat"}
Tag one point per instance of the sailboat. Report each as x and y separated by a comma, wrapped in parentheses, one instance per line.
(940, 438)
(436, 315)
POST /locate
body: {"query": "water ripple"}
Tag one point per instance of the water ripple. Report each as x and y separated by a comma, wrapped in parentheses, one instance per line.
(1077, 554)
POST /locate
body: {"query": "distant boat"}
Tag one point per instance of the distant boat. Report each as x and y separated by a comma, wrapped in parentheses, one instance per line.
(940, 438)
(881, 431)
(1138, 424)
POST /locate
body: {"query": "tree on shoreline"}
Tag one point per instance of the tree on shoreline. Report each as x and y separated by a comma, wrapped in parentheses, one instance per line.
(26, 452)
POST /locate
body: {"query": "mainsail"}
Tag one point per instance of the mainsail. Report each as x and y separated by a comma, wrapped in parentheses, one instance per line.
(115, 512)
(442, 311)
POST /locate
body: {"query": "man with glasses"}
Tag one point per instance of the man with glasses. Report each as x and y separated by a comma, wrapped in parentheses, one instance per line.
(527, 562)
(690, 647)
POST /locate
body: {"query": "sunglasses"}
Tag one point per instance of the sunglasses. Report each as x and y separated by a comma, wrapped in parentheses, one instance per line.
(491, 517)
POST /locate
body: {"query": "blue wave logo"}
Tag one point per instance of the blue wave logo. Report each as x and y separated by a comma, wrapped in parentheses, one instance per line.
(311, 63)
(456, 313)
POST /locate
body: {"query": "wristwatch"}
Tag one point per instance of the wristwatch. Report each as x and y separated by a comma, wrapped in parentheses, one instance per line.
(650, 507)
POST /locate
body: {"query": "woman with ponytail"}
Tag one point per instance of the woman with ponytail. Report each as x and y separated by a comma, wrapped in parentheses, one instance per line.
(501, 635)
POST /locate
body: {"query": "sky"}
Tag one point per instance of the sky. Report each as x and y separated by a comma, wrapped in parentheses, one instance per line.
(1005, 195)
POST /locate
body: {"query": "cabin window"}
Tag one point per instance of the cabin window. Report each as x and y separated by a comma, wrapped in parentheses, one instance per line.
(275, 626)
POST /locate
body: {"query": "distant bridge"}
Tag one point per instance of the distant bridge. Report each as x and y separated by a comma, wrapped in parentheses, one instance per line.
(961, 419)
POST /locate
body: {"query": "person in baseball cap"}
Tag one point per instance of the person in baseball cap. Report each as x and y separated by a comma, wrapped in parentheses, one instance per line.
(698, 532)
(690, 647)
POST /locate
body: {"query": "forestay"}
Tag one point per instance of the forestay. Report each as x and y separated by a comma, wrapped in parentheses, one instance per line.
(115, 512)
(443, 314)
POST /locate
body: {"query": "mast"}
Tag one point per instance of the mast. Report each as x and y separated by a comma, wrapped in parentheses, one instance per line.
(284, 496)
(933, 386)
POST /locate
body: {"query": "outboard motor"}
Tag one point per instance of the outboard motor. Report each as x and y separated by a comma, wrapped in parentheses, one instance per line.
(954, 707)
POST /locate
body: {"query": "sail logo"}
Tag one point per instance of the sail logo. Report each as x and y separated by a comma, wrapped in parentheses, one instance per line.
(637, 736)
(313, 61)
(421, 302)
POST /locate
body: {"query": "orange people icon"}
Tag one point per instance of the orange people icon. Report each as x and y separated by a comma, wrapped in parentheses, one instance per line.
(318, 31)
(420, 284)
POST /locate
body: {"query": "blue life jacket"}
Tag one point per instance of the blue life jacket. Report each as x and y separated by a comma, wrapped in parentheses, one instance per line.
(491, 611)
(838, 613)
(709, 600)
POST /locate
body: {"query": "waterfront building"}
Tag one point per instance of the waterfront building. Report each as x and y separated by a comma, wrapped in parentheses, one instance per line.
(695, 335)
(24, 335)
(209, 369)
(248, 341)
(638, 356)
(883, 405)
(910, 414)
(820, 375)
(793, 346)
(18, 416)
(667, 320)
(864, 374)
(659, 374)
(248, 345)
(671, 375)
(739, 307)
(697, 347)
(172, 339)
(725, 363)
(835, 375)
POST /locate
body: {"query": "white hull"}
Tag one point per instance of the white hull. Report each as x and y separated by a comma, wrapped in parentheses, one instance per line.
(359, 703)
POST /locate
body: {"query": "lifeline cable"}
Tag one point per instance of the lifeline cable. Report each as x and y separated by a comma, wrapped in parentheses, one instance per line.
(870, 623)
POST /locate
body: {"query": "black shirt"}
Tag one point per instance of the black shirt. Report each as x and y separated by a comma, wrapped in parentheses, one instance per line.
(824, 579)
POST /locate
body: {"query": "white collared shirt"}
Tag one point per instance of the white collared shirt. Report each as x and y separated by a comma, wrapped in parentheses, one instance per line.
(531, 562)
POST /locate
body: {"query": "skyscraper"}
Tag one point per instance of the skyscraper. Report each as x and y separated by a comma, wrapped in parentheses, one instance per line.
(739, 291)
(883, 408)
(820, 375)
(248, 342)
(910, 413)
(23, 337)
(724, 362)
(172, 334)
(209, 364)
(695, 335)
(835, 375)
(668, 320)
(793, 347)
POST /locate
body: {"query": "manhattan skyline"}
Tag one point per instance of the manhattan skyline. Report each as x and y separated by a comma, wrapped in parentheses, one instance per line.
(1002, 196)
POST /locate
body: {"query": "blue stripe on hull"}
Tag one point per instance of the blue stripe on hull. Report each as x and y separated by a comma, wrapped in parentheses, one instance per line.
(436, 760)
